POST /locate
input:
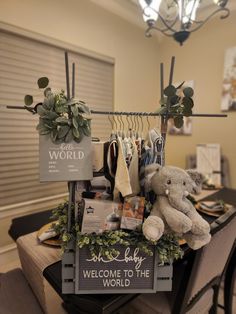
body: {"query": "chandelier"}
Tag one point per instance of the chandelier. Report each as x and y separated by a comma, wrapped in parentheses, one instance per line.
(178, 18)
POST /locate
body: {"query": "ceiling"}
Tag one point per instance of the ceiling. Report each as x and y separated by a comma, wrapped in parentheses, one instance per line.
(131, 11)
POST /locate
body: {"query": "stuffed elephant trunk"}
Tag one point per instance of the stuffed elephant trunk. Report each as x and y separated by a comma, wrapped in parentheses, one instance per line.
(177, 199)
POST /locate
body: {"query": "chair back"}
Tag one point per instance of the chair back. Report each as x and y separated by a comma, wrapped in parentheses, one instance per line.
(205, 267)
(211, 260)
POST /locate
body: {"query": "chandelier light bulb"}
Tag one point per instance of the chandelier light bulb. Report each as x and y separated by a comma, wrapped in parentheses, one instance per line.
(150, 9)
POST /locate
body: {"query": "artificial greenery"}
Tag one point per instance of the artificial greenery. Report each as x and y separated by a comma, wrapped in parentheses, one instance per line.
(176, 106)
(167, 246)
(64, 120)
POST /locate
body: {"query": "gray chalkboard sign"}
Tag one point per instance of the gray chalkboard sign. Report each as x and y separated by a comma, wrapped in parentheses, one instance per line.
(131, 271)
(65, 162)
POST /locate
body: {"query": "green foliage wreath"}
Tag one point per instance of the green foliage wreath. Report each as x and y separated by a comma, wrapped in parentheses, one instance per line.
(64, 120)
(168, 247)
(175, 105)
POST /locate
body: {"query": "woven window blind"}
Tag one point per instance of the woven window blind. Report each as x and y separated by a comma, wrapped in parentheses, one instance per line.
(22, 62)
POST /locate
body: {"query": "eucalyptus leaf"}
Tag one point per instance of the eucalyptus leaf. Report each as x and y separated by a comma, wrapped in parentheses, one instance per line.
(86, 130)
(40, 110)
(36, 106)
(47, 92)
(74, 110)
(72, 102)
(80, 120)
(187, 106)
(49, 102)
(75, 123)
(188, 92)
(78, 140)
(51, 115)
(187, 112)
(86, 116)
(28, 100)
(178, 122)
(69, 136)
(83, 108)
(43, 82)
(187, 102)
(48, 125)
(62, 120)
(76, 133)
(63, 130)
(174, 100)
(170, 90)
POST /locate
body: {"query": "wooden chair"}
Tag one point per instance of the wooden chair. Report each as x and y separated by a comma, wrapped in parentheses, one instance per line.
(16, 295)
(196, 291)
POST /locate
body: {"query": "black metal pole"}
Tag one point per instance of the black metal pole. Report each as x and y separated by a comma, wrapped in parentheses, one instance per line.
(67, 75)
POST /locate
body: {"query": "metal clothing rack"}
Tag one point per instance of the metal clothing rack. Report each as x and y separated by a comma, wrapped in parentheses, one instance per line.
(154, 114)
(139, 113)
(164, 118)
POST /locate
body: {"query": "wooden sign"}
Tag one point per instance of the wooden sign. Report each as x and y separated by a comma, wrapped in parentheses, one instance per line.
(66, 161)
(131, 271)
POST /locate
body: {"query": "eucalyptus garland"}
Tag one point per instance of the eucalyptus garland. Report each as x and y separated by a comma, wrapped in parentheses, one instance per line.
(175, 105)
(167, 246)
(62, 119)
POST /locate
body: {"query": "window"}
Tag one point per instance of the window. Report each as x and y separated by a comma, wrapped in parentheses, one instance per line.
(22, 61)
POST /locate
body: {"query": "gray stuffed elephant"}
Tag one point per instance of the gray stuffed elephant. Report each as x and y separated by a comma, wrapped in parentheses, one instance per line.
(172, 210)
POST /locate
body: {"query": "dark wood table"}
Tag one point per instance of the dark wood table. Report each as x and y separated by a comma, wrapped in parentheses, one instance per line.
(111, 303)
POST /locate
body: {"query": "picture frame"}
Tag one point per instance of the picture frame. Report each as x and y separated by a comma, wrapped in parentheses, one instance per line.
(228, 97)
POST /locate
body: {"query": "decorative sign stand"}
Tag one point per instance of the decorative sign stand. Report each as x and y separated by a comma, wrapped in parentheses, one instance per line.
(131, 271)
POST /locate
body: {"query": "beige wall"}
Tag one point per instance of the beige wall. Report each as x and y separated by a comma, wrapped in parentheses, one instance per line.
(201, 59)
(84, 24)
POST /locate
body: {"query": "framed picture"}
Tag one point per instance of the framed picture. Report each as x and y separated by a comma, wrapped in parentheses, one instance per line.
(187, 127)
(208, 162)
(228, 100)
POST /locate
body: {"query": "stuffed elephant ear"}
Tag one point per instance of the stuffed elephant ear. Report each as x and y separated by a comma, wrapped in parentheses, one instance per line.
(149, 172)
(152, 169)
(197, 178)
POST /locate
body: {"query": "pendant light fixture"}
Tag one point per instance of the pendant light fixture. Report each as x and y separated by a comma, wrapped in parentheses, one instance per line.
(178, 18)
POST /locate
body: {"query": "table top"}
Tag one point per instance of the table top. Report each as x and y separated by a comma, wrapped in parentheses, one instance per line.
(105, 303)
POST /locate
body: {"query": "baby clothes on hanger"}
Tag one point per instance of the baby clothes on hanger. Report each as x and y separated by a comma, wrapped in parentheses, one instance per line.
(112, 155)
(122, 178)
(157, 146)
(134, 170)
(152, 152)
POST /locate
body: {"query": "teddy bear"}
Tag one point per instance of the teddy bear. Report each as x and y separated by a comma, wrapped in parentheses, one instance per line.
(172, 210)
